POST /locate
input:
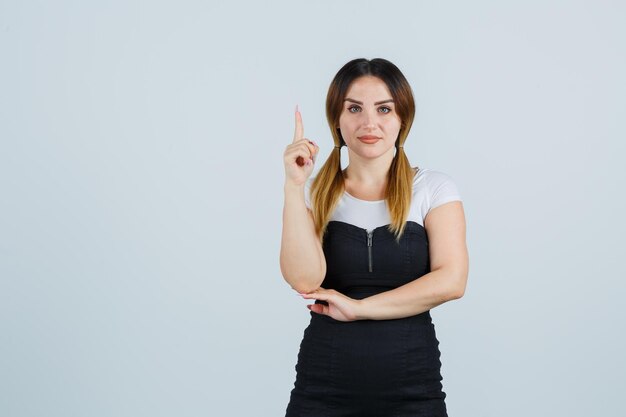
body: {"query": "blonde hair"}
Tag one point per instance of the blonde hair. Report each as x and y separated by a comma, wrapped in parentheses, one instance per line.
(328, 186)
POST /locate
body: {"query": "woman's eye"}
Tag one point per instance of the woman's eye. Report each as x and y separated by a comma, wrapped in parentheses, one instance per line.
(354, 109)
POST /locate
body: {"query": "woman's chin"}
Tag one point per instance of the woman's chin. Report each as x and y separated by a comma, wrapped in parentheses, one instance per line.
(371, 152)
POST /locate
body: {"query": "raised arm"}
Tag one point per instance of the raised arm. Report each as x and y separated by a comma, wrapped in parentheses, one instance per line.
(302, 261)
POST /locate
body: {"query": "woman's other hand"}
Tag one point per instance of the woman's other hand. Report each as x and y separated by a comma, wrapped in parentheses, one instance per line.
(299, 155)
(340, 307)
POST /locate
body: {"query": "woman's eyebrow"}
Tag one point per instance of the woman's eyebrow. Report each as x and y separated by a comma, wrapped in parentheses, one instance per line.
(375, 104)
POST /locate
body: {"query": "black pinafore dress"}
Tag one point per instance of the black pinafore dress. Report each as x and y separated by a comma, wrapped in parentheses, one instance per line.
(378, 368)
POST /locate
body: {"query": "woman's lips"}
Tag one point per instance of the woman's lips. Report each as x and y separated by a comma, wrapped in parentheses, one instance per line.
(368, 138)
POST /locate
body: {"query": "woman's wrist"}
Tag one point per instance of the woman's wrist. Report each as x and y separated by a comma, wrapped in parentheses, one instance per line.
(361, 310)
(292, 187)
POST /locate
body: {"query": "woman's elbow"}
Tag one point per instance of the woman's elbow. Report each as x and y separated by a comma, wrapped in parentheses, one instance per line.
(304, 286)
(457, 293)
(457, 283)
(303, 289)
(304, 283)
(458, 290)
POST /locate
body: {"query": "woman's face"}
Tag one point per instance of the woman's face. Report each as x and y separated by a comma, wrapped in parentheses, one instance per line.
(368, 122)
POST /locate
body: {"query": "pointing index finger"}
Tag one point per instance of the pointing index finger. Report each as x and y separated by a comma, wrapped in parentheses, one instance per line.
(299, 132)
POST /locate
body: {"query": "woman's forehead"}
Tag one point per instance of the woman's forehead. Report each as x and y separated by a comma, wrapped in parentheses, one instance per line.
(368, 89)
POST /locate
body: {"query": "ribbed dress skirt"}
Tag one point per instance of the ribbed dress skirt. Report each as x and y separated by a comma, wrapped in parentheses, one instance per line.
(378, 368)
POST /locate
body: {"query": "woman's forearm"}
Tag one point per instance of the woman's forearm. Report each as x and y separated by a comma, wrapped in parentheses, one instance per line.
(415, 297)
(302, 261)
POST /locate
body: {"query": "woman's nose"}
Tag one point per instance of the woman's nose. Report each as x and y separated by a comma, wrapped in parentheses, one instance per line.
(369, 118)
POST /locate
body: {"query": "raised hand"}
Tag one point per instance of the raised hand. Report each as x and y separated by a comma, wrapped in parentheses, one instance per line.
(299, 156)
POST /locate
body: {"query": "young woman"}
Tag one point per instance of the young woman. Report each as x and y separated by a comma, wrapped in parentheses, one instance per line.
(377, 245)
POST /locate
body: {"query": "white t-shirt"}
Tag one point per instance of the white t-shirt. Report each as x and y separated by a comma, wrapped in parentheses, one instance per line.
(430, 189)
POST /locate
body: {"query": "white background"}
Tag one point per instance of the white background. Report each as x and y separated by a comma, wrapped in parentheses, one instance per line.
(141, 197)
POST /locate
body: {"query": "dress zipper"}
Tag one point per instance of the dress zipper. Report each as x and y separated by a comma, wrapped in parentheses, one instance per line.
(369, 248)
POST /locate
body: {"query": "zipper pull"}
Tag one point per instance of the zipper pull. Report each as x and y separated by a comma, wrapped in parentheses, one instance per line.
(369, 248)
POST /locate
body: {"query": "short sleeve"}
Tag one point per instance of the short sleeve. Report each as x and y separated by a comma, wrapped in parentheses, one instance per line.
(442, 189)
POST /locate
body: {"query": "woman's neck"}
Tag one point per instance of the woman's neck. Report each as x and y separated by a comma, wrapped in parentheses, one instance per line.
(368, 172)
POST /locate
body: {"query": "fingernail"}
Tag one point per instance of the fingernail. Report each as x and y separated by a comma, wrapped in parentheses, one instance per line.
(296, 108)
